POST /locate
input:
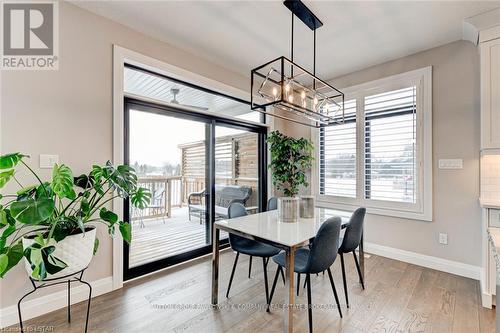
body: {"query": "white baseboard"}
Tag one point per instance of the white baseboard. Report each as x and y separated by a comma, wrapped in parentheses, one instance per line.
(444, 265)
(35, 307)
(487, 300)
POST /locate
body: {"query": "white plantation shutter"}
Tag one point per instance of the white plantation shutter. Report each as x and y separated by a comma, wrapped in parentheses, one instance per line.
(338, 155)
(390, 146)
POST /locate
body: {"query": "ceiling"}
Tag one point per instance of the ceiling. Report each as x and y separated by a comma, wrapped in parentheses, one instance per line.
(241, 35)
(160, 88)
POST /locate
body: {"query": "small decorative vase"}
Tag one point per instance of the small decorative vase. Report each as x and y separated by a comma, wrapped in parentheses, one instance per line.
(288, 209)
(75, 250)
(307, 207)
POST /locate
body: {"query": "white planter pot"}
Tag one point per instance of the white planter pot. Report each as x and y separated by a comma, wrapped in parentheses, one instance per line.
(288, 209)
(75, 250)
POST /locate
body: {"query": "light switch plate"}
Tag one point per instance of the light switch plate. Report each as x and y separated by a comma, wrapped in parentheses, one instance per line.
(456, 163)
(48, 161)
(443, 238)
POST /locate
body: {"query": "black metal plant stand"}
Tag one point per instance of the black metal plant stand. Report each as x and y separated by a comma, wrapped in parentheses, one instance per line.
(74, 277)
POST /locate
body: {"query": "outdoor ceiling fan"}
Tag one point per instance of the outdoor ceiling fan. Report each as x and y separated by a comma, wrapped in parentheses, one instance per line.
(175, 92)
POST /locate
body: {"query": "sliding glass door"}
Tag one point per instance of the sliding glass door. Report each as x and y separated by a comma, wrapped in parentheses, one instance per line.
(236, 169)
(195, 166)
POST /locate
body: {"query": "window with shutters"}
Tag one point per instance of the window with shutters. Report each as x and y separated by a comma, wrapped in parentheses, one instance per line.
(380, 157)
(338, 159)
(390, 145)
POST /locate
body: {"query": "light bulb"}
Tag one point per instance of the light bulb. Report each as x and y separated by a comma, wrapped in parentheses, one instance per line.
(303, 94)
(290, 98)
(315, 100)
(287, 87)
(275, 91)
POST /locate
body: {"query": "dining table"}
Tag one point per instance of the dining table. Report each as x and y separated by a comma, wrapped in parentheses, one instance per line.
(267, 228)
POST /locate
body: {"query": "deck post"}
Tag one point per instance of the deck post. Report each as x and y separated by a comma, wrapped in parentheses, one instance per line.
(168, 188)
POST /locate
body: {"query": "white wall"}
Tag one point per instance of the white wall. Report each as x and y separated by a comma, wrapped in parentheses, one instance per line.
(69, 112)
(455, 135)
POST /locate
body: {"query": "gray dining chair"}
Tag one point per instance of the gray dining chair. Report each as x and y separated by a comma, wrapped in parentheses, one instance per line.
(249, 247)
(272, 203)
(318, 258)
(352, 240)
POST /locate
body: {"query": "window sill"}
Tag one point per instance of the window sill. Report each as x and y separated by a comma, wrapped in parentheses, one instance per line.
(412, 215)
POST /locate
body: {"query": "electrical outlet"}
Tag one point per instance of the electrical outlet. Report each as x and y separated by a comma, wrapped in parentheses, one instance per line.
(456, 163)
(48, 161)
(443, 238)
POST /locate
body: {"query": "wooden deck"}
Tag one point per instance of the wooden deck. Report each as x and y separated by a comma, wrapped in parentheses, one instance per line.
(160, 238)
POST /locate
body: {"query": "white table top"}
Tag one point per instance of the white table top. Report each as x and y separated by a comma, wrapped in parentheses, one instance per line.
(266, 226)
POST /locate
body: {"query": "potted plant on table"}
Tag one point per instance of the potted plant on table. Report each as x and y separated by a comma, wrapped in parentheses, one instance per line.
(50, 223)
(291, 159)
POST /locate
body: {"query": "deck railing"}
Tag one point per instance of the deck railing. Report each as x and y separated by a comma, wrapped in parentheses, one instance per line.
(166, 192)
(173, 191)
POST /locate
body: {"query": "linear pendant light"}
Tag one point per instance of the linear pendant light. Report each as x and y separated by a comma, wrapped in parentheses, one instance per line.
(301, 96)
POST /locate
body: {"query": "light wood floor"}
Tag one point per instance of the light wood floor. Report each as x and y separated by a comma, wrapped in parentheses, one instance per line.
(399, 297)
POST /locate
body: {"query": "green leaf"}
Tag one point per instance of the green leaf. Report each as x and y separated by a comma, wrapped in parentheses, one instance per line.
(122, 178)
(5, 234)
(141, 198)
(108, 216)
(84, 207)
(32, 211)
(80, 224)
(126, 231)
(5, 177)
(42, 261)
(26, 191)
(14, 254)
(62, 182)
(10, 160)
(51, 263)
(4, 262)
(44, 191)
(39, 240)
(96, 246)
(83, 181)
(3, 218)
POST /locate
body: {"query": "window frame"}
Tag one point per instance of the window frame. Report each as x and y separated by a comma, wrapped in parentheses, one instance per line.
(422, 209)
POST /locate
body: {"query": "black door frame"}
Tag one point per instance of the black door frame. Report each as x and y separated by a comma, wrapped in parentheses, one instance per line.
(211, 121)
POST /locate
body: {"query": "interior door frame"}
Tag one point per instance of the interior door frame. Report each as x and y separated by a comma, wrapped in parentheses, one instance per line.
(211, 122)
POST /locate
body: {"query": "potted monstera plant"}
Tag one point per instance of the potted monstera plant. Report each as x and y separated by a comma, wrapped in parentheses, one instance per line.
(52, 224)
(291, 159)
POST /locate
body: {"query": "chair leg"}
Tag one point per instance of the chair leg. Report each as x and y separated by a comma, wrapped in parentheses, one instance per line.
(334, 291)
(250, 267)
(282, 275)
(264, 266)
(298, 283)
(309, 302)
(276, 276)
(232, 274)
(344, 280)
(359, 270)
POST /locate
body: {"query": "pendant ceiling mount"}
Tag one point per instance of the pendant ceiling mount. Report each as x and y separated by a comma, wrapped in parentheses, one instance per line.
(302, 97)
